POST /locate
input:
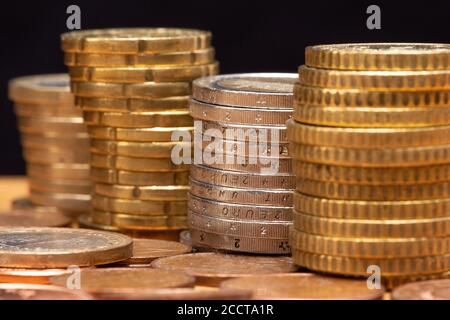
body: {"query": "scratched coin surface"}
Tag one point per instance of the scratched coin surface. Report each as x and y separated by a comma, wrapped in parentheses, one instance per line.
(423, 290)
(101, 282)
(60, 247)
(304, 286)
(210, 269)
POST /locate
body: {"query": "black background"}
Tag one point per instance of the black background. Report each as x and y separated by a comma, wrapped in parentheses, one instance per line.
(249, 36)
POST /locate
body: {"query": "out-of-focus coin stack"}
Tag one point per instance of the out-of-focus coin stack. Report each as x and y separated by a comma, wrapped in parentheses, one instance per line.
(133, 86)
(370, 140)
(55, 142)
(241, 181)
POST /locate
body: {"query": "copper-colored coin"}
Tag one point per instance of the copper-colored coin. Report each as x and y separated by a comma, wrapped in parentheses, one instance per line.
(304, 286)
(64, 201)
(85, 221)
(34, 218)
(184, 294)
(147, 250)
(210, 269)
(59, 247)
(36, 276)
(423, 290)
(101, 282)
(18, 291)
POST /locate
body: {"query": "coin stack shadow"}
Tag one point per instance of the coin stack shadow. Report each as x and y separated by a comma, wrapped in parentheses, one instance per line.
(237, 201)
(55, 142)
(133, 86)
(370, 141)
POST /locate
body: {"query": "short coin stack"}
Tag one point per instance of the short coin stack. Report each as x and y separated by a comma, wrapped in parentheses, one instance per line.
(370, 140)
(55, 142)
(133, 86)
(241, 180)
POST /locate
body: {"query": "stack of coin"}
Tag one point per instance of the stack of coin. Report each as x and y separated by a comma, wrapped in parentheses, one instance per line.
(55, 142)
(241, 181)
(133, 86)
(370, 141)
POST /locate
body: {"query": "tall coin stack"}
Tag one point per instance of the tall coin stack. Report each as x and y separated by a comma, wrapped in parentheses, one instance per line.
(371, 143)
(241, 181)
(133, 86)
(55, 142)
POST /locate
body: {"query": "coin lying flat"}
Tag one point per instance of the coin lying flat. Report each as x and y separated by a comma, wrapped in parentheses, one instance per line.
(135, 40)
(304, 286)
(167, 193)
(18, 291)
(59, 247)
(50, 89)
(147, 250)
(101, 282)
(379, 56)
(34, 218)
(36, 276)
(156, 134)
(210, 269)
(64, 201)
(423, 290)
(257, 90)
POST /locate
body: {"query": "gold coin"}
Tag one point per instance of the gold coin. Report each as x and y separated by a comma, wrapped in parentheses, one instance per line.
(252, 164)
(382, 210)
(358, 267)
(270, 197)
(196, 57)
(392, 282)
(135, 40)
(332, 190)
(383, 248)
(373, 158)
(304, 286)
(372, 117)
(137, 149)
(156, 134)
(34, 217)
(139, 207)
(65, 201)
(142, 74)
(177, 118)
(242, 180)
(85, 221)
(132, 104)
(239, 115)
(42, 141)
(371, 176)
(148, 90)
(65, 125)
(237, 131)
(251, 90)
(367, 137)
(48, 89)
(135, 222)
(51, 156)
(379, 56)
(60, 186)
(375, 80)
(60, 247)
(59, 171)
(226, 242)
(234, 227)
(23, 109)
(364, 98)
(167, 193)
(139, 178)
(372, 228)
(238, 211)
(136, 164)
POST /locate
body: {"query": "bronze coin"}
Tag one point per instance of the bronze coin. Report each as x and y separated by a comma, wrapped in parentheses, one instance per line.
(34, 218)
(210, 269)
(304, 286)
(423, 290)
(19, 291)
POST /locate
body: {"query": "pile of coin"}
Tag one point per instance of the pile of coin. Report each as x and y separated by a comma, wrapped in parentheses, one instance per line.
(370, 141)
(241, 181)
(55, 142)
(133, 86)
